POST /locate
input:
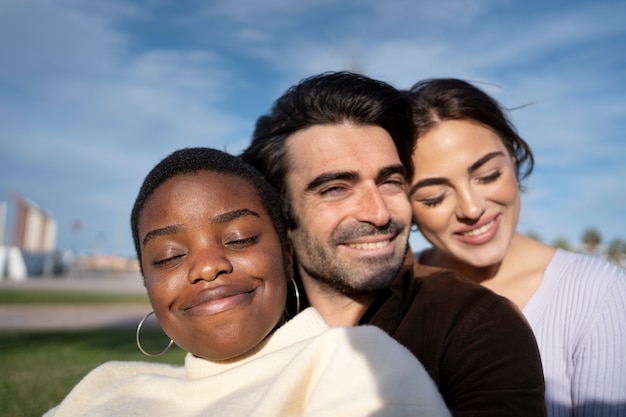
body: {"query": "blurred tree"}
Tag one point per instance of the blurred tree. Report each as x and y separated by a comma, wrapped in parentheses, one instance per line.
(591, 239)
(562, 243)
(534, 235)
(616, 250)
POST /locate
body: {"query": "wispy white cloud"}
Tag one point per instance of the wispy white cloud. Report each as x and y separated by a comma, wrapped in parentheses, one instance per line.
(92, 95)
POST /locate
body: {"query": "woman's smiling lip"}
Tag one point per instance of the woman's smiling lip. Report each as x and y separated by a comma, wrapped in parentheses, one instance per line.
(218, 299)
(479, 233)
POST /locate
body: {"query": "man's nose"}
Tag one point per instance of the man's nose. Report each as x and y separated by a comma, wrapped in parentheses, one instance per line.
(372, 207)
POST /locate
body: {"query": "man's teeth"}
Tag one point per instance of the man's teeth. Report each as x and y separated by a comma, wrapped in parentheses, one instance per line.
(480, 230)
(376, 245)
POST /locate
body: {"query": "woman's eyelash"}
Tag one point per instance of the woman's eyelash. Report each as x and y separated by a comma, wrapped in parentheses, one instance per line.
(491, 177)
(247, 241)
(431, 202)
(161, 262)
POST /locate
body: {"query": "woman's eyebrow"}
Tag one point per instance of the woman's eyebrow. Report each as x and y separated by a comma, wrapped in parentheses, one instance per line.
(232, 215)
(426, 182)
(220, 218)
(163, 231)
(482, 161)
(440, 180)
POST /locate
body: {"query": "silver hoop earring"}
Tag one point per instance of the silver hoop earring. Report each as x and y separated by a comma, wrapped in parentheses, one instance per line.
(169, 345)
(295, 288)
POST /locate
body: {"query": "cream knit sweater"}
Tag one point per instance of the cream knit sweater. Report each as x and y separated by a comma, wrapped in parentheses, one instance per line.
(304, 369)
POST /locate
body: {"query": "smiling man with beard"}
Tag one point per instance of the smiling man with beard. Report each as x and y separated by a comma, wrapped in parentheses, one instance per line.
(336, 146)
(353, 220)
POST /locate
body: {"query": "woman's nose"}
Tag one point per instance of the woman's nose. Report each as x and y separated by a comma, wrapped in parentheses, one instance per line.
(470, 205)
(208, 264)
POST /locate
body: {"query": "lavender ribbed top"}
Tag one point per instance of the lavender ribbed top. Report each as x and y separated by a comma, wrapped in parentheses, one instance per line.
(578, 315)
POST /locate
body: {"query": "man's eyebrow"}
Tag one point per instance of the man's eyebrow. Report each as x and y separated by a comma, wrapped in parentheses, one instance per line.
(326, 177)
(482, 161)
(219, 219)
(390, 170)
(331, 176)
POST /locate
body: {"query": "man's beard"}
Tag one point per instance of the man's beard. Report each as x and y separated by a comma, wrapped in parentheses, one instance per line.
(351, 275)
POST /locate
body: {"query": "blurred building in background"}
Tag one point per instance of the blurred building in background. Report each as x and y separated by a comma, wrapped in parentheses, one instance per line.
(33, 252)
(34, 241)
(35, 229)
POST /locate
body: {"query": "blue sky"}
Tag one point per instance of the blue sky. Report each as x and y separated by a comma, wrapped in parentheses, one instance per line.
(93, 94)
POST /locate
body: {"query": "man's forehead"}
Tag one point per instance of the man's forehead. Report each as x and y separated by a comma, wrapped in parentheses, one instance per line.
(340, 148)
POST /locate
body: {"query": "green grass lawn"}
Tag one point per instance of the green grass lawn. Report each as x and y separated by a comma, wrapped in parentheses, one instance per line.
(39, 368)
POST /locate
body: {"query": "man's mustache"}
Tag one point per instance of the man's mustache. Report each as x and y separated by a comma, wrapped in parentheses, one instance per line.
(358, 230)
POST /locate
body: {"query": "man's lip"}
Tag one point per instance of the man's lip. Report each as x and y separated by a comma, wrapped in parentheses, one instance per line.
(371, 243)
(371, 239)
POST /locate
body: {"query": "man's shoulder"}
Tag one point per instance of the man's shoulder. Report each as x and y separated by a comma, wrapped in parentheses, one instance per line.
(439, 302)
(416, 274)
(447, 295)
(425, 272)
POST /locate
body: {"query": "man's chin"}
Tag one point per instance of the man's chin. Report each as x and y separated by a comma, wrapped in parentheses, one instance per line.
(373, 280)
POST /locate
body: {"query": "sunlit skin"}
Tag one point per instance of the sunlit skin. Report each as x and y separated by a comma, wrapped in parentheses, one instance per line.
(348, 191)
(213, 264)
(464, 193)
(466, 202)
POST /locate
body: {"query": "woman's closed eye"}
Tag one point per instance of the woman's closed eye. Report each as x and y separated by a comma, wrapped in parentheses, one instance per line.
(487, 179)
(161, 262)
(243, 242)
(431, 202)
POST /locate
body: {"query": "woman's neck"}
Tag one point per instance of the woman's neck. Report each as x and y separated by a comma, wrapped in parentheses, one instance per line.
(516, 277)
(480, 275)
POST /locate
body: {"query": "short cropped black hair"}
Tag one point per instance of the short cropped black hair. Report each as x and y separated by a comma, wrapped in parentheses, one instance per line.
(191, 160)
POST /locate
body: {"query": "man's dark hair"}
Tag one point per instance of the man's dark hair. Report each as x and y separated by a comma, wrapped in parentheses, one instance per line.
(326, 99)
(192, 160)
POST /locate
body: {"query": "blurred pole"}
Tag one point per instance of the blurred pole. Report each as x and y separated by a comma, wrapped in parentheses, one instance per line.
(3, 250)
(3, 222)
